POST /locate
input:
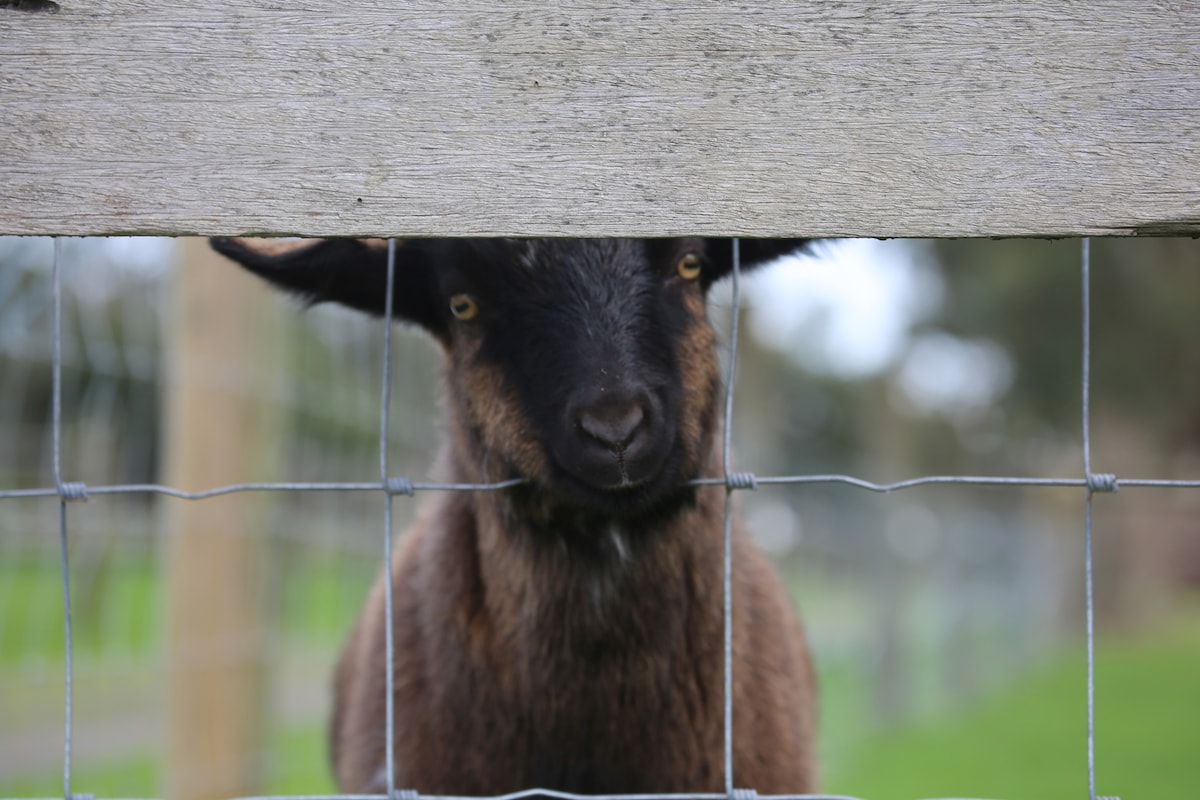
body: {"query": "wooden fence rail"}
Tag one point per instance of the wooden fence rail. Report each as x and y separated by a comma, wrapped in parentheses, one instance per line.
(377, 117)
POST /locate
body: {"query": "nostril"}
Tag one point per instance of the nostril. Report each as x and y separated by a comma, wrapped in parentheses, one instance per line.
(614, 427)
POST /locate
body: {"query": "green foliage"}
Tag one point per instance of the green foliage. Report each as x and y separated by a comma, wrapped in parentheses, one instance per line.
(1027, 296)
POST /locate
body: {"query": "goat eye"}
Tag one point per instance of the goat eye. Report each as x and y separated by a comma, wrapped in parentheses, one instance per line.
(463, 306)
(688, 266)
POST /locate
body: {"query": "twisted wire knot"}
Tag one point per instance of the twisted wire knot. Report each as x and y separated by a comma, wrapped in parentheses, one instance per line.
(742, 794)
(399, 486)
(1102, 482)
(741, 480)
(73, 492)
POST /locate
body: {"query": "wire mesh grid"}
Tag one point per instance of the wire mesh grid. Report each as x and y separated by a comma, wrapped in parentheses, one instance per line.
(390, 486)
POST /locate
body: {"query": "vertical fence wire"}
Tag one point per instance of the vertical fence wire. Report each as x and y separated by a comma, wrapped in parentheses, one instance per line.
(384, 421)
(56, 444)
(1086, 271)
(728, 576)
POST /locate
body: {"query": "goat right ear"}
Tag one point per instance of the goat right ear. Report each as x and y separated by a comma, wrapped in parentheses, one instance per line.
(754, 253)
(351, 272)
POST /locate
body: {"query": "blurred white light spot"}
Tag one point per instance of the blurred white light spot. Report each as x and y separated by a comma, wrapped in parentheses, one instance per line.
(148, 255)
(96, 270)
(775, 527)
(845, 310)
(953, 376)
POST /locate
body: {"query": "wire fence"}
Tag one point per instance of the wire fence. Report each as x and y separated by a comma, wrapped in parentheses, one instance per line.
(72, 491)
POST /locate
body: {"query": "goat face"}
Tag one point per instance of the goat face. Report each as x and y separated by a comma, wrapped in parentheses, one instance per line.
(580, 365)
(585, 366)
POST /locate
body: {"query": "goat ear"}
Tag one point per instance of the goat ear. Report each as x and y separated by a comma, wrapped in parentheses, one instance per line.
(753, 252)
(351, 272)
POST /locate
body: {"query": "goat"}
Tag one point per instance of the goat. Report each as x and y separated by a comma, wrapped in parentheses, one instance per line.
(566, 633)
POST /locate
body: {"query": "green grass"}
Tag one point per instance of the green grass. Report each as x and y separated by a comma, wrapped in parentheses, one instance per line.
(1028, 743)
(118, 606)
(136, 776)
(299, 762)
(296, 763)
(116, 610)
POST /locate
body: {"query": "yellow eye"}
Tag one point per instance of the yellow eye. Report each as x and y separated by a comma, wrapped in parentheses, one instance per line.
(688, 266)
(463, 306)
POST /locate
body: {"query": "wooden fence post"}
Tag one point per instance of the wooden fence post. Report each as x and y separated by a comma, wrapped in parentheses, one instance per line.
(220, 428)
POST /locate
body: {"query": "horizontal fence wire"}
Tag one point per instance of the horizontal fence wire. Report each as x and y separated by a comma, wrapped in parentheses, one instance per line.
(737, 480)
(390, 486)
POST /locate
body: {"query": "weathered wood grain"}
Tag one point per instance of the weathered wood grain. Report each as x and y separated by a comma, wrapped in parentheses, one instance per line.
(906, 118)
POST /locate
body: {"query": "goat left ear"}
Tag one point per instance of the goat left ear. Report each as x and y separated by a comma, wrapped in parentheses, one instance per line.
(753, 252)
(351, 272)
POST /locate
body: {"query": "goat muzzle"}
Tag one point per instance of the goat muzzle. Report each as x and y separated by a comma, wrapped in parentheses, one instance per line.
(617, 439)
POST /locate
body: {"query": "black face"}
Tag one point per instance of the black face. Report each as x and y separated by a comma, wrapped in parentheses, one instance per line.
(588, 339)
(585, 366)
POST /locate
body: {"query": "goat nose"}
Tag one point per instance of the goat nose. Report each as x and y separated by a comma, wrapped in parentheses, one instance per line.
(614, 427)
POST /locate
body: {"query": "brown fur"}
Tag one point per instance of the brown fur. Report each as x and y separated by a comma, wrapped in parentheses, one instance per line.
(519, 665)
